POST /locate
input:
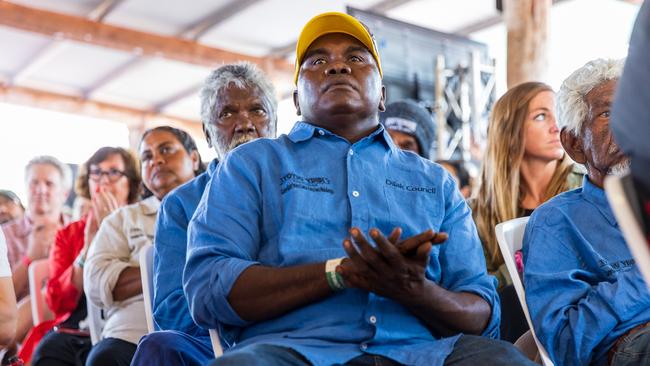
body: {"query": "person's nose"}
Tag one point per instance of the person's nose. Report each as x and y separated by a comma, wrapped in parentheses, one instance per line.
(338, 67)
(554, 127)
(103, 180)
(40, 188)
(158, 159)
(244, 125)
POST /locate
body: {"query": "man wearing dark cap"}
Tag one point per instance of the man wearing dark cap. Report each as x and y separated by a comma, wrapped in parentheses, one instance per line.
(410, 126)
(266, 266)
(10, 207)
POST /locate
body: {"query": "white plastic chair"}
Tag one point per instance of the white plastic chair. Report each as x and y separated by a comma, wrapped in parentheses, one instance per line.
(146, 273)
(216, 345)
(628, 220)
(510, 236)
(38, 272)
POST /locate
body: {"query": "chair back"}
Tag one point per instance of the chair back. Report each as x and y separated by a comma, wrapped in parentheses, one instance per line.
(510, 236)
(38, 273)
(146, 273)
(216, 345)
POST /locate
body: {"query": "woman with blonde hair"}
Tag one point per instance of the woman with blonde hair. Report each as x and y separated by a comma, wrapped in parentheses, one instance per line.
(524, 166)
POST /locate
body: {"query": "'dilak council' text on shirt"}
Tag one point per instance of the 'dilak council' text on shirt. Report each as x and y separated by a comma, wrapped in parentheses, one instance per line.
(290, 201)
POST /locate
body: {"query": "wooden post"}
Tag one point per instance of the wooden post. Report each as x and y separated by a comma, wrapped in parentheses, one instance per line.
(528, 28)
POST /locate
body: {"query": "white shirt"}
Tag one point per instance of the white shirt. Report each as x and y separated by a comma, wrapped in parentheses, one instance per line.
(5, 270)
(115, 247)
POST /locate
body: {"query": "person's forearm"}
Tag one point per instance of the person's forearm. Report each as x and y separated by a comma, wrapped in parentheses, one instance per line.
(129, 284)
(7, 312)
(78, 277)
(20, 280)
(446, 312)
(78, 271)
(262, 293)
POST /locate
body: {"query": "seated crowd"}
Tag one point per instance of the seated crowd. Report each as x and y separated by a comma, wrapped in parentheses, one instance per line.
(340, 242)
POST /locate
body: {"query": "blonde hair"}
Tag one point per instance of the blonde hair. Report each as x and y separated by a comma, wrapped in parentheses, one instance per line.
(500, 190)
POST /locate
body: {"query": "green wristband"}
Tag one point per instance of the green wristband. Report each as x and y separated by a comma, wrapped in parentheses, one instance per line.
(334, 279)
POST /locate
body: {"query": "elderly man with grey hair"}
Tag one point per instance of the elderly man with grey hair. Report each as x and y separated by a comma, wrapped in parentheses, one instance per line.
(238, 105)
(48, 182)
(587, 299)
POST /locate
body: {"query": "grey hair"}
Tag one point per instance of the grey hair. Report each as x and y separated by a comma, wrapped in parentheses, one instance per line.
(572, 108)
(241, 75)
(64, 169)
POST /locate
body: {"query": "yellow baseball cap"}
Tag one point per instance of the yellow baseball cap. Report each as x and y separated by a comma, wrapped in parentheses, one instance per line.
(334, 22)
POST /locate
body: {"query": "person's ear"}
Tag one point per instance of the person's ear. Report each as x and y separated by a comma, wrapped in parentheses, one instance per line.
(194, 155)
(208, 139)
(295, 102)
(573, 146)
(382, 102)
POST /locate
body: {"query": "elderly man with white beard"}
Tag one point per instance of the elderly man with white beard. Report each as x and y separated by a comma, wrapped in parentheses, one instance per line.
(238, 105)
(587, 299)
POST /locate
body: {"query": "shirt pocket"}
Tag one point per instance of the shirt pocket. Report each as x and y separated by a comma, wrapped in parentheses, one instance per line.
(137, 238)
(309, 220)
(413, 203)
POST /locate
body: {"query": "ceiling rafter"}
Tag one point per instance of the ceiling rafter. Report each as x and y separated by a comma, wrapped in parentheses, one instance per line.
(124, 39)
(218, 16)
(486, 23)
(102, 10)
(64, 27)
(77, 105)
(197, 30)
(182, 94)
(380, 8)
(48, 51)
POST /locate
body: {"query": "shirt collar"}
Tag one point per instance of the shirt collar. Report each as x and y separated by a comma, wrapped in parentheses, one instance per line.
(303, 131)
(596, 195)
(150, 206)
(212, 166)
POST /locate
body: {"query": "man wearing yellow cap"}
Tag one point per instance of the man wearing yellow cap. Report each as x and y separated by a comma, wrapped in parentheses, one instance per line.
(330, 245)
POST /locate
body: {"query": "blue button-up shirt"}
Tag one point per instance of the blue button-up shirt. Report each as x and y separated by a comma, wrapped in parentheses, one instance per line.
(582, 287)
(170, 310)
(291, 201)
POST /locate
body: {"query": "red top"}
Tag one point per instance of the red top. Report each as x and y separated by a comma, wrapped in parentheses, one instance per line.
(61, 294)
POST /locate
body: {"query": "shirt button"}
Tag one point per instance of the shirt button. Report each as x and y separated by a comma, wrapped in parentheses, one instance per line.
(355, 193)
(364, 346)
(321, 132)
(373, 319)
(351, 152)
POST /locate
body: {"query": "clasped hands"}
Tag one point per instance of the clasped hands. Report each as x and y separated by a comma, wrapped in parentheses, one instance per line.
(393, 268)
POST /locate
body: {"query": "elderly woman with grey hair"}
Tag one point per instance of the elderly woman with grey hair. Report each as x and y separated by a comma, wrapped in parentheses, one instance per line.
(237, 105)
(587, 299)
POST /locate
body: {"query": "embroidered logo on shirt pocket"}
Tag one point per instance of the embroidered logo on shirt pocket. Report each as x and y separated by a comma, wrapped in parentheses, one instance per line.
(315, 184)
(138, 238)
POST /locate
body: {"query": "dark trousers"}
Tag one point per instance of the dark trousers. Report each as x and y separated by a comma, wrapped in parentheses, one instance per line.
(468, 351)
(111, 352)
(60, 349)
(513, 320)
(170, 347)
